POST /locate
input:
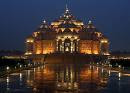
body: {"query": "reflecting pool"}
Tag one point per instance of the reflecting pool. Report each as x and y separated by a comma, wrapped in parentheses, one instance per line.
(67, 78)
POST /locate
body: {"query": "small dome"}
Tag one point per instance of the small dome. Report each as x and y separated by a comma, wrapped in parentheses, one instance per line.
(44, 25)
(30, 37)
(90, 25)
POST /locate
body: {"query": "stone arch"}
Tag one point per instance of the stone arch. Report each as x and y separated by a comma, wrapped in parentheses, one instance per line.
(67, 45)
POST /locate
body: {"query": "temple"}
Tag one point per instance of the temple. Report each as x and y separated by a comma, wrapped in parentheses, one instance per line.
(67, 35)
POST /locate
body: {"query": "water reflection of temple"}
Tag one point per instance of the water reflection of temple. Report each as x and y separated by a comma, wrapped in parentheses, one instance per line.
(92, 78)
(68, 78)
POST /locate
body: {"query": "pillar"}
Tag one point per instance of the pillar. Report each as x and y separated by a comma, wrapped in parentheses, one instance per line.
(63, 46)
(57, 47)
(77, 45)
(71, 46)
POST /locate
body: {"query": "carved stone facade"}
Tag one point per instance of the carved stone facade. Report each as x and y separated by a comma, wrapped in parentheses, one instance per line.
(67, 35)
(91, 48)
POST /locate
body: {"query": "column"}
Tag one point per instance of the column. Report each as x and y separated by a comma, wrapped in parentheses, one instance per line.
(77, 45)
(57, 47)
(71, 46)
(63, 46)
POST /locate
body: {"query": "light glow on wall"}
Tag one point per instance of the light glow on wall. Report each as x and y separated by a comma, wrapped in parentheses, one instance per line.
(104, 41)
(28, 53)
(29, 40)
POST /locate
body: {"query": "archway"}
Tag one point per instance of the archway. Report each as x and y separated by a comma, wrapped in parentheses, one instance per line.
(67, 45)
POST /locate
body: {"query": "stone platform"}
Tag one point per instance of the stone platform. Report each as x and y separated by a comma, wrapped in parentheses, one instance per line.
(66, 58)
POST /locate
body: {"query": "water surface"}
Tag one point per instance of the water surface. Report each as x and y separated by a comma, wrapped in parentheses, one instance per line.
(67, 78)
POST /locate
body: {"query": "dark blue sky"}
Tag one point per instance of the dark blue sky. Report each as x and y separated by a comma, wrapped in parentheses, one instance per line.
(19, 18)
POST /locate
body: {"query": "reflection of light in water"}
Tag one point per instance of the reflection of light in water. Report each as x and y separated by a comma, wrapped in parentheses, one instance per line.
(97, 68)
(29, 81)
(75, 85)
(67, 79)
(7, 83)
(45, 71)
(93, 67)
(119, 66)
(119, 75)
(34, 70)
(43, 67)
(7, 68)
(109, 72)
(71, 74)
(71, 77)
(20, 75)
(67, 72)
(102, 70)
(90, 67)
(34, 89)
(69, 85)
(110, 65)
(38, 68)
(28, 75)
(20, 66)
(20, 78)
(119, 83)
(58, 85)
(7, 80)
(127, 75)
(114, 71)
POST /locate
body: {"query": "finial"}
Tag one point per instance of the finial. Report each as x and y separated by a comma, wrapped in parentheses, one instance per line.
(67, 8)
(43, 24)
(90, 22)
(44, 21)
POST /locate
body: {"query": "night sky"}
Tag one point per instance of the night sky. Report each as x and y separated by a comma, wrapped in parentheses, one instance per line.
(19, 18)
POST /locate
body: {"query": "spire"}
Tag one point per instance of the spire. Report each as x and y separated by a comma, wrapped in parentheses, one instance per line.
(66, 9)
(67, 14)
(44, 24)
(90, 22)
(44, 21)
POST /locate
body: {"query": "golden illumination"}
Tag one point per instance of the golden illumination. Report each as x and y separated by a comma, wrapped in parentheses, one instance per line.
(48, 51)
(67, 34)
(35, 34)
(104, 41)
(72, 29)
(38, 52)
(86, 51)
(30, 41)
(96, 52)
(78, 23)
(55, 23)
(28, 53)
(106, 53)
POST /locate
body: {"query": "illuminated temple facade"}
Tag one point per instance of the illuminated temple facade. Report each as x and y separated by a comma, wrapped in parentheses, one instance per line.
(67, 35)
